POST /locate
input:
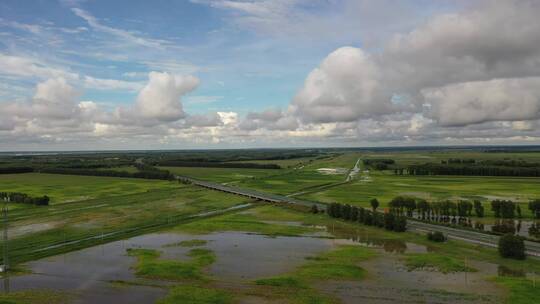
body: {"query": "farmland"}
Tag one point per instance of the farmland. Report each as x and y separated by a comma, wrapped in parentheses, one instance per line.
(146, 245)
(69, 188)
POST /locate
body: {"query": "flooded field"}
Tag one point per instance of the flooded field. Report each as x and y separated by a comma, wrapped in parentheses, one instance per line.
(109, 274)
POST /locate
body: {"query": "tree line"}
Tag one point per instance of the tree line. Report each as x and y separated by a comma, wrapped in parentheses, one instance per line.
(146, 174)
(13, 170)
(23, 198)
(389, 221)
(206, 164)
(469, 170)
(378, 163)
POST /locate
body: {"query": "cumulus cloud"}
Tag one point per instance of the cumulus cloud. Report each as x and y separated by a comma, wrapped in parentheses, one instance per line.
(471, 76)
(55, 111)
(469, 67)
(160, 98)
(271, 119)
(475, 102)
(345, 87)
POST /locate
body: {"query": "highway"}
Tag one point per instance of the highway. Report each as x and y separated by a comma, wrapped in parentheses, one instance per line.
(532, 248)
(257, 195)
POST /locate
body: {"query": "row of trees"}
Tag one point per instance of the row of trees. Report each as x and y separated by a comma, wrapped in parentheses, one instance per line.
(505, 208)
(435, 210)
(217, 165)
(23, 198)
(469, 170)
(13, 170)
(378, 163)
(389, 221)
(147, 174)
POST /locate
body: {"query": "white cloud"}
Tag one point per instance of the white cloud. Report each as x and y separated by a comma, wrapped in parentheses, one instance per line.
(111, 84)
(345, 87)
(128, 36)
(481, 101)
(160, 98)
(20, 66)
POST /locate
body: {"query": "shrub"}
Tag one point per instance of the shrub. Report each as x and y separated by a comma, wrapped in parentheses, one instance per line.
(436, 236)
(512, 246)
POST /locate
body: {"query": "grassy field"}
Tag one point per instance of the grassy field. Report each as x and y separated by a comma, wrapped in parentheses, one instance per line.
(70, 188)
(35, 228)
(283, 163)
(305, 177)
(222, 175)
(385, 185)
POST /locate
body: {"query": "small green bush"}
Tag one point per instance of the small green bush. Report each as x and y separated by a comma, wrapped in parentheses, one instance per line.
(512, 246)
(436, 236)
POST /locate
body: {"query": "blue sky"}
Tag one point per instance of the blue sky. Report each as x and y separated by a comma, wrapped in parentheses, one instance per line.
(213, 73)
(241, 67)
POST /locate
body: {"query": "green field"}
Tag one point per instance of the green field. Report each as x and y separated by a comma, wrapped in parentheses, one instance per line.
(69, 188)
(305, 177)
(221, 175)
(385, 186)
(37, 227)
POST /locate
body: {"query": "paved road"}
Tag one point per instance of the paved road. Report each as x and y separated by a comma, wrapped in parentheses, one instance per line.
(532, 248)
(253, 194)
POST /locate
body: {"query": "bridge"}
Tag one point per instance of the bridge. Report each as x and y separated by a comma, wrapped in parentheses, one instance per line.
(489, 240)
(252, 194)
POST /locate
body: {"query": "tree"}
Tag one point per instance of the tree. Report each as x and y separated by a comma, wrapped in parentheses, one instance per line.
(423, 206)
(496, 208)
(374, 204)
(512, 246)
(396, 204)
(368, 218)
(354, 214)
(389, 219)
(518, 210)
(346, 212)
(361, 214)
(436, 236)
(534, 206)
(478, 208)
(507, 209)
(400, 224)
(410, 204)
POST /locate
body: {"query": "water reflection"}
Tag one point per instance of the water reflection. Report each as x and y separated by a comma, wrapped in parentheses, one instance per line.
(364, 238)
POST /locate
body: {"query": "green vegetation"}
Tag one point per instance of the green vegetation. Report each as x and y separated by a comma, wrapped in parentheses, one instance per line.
(436, 236)
(520, 290)
(123, 215)
(149, 265)
(436, 261)
(511, 246)
(242, 222)
(220, 175)
(35, 297)
(338, 264)
(70, 188)
(196, 295)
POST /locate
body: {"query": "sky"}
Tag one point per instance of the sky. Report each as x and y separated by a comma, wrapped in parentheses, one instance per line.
(183, 74)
